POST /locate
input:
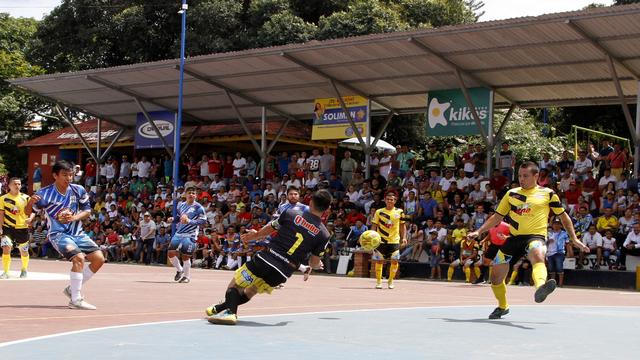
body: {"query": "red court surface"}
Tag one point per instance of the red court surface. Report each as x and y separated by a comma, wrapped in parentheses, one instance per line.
(133, 294)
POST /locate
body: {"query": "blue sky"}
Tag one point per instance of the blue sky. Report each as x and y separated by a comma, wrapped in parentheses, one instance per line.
(494, 9)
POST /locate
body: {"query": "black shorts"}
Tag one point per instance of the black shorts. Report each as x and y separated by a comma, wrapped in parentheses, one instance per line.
(387, 250)
(517, 246)
(17, 236)
(492, 251)
(269, 268)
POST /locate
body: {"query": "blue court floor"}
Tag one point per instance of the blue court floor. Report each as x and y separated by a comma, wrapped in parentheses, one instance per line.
(461, 333)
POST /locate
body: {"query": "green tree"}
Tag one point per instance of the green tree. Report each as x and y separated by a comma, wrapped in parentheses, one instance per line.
(16, 107)
(285, 28)
(363, 17)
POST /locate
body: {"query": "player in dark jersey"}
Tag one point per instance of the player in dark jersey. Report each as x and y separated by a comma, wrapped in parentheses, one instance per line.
(299, 233)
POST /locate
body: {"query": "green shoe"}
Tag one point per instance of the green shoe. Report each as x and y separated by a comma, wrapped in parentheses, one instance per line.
(4, 275)
(23, 274)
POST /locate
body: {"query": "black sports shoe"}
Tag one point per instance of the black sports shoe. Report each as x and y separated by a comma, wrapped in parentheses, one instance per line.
(543, 291)
(479, 280)
(498, 313)
(178, 276)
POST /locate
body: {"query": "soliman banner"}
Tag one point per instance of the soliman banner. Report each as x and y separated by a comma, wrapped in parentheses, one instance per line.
(146, 136)
(330, 121)
(449, 115)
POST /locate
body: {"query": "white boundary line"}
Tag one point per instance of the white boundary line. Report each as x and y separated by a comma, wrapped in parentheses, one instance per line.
(15, 342)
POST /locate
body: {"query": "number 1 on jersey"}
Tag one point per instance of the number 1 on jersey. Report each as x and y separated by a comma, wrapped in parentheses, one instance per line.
(295, 244)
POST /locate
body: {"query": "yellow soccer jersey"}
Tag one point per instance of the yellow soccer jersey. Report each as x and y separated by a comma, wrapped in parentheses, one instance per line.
(459, 234)
(528, 210)
(388, 224)
(13, 207)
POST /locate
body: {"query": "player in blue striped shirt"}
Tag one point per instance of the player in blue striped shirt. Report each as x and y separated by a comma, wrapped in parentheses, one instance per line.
(293, 195)
(190, 215)
(65, 205)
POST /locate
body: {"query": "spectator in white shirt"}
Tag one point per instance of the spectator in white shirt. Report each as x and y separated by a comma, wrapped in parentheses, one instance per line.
(144, 166)
(125, 167)
(631, 246)
(446, 181)
(606, 179)
(593, 240)
(239, 164)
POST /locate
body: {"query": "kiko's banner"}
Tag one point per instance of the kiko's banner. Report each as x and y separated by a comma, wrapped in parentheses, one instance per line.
(449, 115)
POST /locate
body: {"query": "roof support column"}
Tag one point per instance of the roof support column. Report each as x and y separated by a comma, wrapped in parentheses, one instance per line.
(636, 157)
(243, 123)
(474, 112)
(99, 164)
(113, 142)
(365, 148)
(278, 135)
(191, 137)
(494, 138)
(82, 139)
(623, 101)
(263, 142)
(155, 128)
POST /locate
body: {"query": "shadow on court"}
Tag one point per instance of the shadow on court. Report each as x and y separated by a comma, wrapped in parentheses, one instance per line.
(259, 324)
(500, 322)
(26, 306)
(156, 282)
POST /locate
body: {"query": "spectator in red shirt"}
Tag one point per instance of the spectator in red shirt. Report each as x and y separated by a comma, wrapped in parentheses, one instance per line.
(355, 215)
(572, 196)
(617, 161)
(90, 173)
(498, 181)
(227, 170)
(204, 196)
(215, 164)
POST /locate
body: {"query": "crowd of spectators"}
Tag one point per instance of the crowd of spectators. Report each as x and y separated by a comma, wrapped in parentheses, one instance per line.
(445, 195)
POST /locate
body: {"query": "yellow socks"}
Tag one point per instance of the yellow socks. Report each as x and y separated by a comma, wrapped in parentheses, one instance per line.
(378, 273)
(539, 274)
(500, 292)
(25, 262)
(393, 269)
(477, 271)
(467, 273)
(514, 276)
(6, 262)
(450, 273)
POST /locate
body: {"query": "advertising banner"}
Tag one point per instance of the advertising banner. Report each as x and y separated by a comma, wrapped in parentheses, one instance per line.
(330, 121)
(449, 115)
(146, 137)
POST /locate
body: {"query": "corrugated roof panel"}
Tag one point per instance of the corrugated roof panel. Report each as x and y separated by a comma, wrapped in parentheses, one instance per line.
(531, 51)
(525, 57)
(610, 26)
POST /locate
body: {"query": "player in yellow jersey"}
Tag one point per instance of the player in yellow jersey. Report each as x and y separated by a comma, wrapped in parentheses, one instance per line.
(14, 227)
(528, 208)
(389, 222)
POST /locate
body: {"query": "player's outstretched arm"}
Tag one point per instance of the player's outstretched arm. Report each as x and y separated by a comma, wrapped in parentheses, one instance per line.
(568, 225)
(253, 235)
(491, 222)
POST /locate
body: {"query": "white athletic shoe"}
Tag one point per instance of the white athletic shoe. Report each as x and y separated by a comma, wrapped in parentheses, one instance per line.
(67, 292)
(80, 304)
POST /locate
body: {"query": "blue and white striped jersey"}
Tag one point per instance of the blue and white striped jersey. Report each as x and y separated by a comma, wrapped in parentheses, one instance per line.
(52, 202)
(196, 214)
(287, 205)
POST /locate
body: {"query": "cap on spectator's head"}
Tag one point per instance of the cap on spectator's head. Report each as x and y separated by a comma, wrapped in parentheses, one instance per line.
(147, 214)
(556, 220)
(433, 231)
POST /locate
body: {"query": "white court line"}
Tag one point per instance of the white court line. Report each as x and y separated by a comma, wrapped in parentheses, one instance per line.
(15, 342)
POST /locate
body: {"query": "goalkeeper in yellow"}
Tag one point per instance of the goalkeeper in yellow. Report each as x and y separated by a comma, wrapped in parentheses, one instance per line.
(389, 222)
(526, 209)
(14, 227)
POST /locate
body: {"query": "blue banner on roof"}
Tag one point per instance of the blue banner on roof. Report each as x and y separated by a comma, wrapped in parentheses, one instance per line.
(146, 136)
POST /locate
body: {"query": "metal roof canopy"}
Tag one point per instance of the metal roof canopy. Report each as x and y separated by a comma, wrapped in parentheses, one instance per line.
(551, 60)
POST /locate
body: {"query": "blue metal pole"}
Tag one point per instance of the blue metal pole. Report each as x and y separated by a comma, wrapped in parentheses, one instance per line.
(178, 129)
